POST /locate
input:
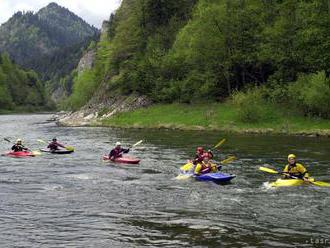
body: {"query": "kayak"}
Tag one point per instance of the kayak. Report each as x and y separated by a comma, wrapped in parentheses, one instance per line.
(123, 160)
(216, 177)
(57, 151)
(20, 154)
(187, 167)
(287, 182)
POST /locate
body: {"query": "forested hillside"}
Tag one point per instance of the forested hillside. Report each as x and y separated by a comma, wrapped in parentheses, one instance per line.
(255, 52)
(50, 41)
(19, 89)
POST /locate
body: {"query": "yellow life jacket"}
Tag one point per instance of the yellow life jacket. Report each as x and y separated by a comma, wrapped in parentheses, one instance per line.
(205, 168)
(297, 170)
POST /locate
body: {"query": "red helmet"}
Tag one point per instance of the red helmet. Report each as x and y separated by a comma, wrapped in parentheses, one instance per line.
(200, 149)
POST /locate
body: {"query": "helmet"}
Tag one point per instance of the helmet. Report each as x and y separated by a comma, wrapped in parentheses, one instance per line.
(54, 139)
(18, 141)
(291, 156)
(200, 149)
(118, 143)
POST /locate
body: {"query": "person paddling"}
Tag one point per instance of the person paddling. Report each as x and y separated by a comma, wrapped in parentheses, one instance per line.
(294, 169)
(18, 147)
(200, 154)
(54, 145)
(205, 166)
(117, 152)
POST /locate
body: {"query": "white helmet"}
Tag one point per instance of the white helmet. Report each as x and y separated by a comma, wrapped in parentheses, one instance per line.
(18, 141)
(118, 143)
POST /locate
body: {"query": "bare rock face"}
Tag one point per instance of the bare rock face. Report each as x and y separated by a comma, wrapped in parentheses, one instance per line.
(87, 61)
(105, 27)
(93, 114)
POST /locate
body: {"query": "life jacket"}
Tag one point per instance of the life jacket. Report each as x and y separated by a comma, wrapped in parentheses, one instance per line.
(296, 170)
(203, 168)
(54, 145)
(17, 148)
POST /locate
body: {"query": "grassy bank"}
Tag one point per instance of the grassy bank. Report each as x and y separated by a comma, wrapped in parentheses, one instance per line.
(224, 117)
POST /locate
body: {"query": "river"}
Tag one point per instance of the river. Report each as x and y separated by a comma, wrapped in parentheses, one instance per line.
(77, 200)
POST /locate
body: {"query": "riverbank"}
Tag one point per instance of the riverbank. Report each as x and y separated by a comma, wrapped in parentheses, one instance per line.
(222, 117)
(27, 110)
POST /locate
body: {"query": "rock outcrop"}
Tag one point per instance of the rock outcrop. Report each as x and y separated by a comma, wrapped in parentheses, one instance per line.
(93, 114)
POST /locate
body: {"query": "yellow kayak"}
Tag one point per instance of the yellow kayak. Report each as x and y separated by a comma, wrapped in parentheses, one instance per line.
(287, 182)
(187, 167)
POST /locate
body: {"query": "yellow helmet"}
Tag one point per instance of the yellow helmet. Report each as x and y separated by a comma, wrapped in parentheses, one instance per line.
(291, 156)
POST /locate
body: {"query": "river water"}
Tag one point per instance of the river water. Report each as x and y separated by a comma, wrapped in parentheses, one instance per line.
(77, 200)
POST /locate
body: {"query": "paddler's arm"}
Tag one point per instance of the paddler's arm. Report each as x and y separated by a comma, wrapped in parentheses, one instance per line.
(303, 171)
(112, 154)
(210, 153)
(25, 148)
(125, 150)
(60, 145)
(285, 172)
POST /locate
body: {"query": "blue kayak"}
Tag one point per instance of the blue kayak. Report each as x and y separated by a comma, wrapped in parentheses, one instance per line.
(216, 177)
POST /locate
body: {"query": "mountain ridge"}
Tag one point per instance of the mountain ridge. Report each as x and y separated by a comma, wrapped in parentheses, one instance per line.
(50, 41)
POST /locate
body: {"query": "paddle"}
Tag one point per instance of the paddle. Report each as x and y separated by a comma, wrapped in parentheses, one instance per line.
(137, 143)
(33, 152)
(317, 183)
(219, 144)
(68, 148)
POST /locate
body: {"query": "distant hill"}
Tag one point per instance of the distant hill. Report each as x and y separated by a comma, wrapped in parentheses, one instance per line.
(50, 41)
(20, 90)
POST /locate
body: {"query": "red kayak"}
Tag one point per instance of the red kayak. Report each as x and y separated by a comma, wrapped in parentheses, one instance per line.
(123, 160)
(20, 154)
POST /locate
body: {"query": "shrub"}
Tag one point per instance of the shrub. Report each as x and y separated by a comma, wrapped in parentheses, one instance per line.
(252, 107)
(311, 94)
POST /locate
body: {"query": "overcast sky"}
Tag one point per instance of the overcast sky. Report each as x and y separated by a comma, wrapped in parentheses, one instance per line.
(92, 11)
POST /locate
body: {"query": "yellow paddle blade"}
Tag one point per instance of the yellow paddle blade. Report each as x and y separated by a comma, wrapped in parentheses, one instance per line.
(220, 143)
(265, 169)
(228, 160)
(183, 176)
(187, 167)
(69, 148)
(36, 153)
(41, 141)
(320, 183)
(137, 143)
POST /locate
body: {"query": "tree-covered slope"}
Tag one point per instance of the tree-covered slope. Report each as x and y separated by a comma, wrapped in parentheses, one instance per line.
(188, 51)
(20, 89)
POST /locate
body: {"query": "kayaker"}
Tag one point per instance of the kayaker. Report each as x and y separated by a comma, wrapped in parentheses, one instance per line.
(18, 147)
(198, 156)
(294, 169)
(117, 152)
(54, 145)
(205, 166)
